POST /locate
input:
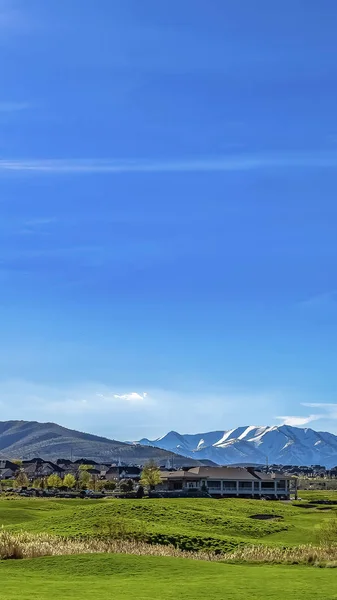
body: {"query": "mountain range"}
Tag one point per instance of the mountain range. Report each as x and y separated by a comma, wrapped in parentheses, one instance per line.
(243, 445)
(29, 439)
(257, 445)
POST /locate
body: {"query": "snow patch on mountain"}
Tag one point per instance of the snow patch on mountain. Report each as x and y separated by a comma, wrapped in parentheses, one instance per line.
(254, 444)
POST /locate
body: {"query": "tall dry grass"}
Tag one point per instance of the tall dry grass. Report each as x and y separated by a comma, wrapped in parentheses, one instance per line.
(27, 545)
(321, 555)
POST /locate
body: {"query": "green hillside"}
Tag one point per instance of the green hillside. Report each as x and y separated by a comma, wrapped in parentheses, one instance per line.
(188, 523)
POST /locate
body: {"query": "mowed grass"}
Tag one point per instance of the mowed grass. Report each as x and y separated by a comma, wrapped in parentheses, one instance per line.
(318, 495)
(190, 523)
(127, 577)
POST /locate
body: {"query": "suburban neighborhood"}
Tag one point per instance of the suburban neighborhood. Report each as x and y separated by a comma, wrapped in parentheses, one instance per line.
(216, 482)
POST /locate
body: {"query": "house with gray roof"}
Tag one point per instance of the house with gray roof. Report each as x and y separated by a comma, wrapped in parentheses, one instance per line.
(228, 482)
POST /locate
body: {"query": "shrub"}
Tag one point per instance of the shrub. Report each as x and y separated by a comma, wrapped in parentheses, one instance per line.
(54, 481)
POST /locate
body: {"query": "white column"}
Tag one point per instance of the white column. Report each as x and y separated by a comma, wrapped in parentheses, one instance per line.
(237, 488)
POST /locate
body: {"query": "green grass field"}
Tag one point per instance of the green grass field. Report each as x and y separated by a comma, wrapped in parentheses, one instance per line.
(190, 523)
(312, 495)
(124, 577)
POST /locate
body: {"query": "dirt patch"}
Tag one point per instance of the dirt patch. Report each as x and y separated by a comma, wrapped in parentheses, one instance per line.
(266, 517)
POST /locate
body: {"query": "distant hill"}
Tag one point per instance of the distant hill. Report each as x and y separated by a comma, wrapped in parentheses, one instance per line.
(254, 445)
(29, 439)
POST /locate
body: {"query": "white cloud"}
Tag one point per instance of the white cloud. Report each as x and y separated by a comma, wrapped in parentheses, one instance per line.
(207, 164)
(37, 221)
(131, 397)
(328, 411)
(298, 421)
(320, 404)
(97, 408)
(329, 408)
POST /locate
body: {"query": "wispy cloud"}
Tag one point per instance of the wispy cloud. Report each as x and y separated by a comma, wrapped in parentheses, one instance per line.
(13, 19)
(37, 225)
(298, 421)
(329, 408)
(99, 408)
(9, 107)
(328, 411)
(226, 163)
(321, 301)
(131, 397)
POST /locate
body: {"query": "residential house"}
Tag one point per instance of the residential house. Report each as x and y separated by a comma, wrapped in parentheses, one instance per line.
(8, 469)
(228, 482)
(38, 467)
(119, 472)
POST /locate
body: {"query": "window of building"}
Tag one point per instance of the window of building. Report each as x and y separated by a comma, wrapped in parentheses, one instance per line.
(215, 485)
(268, 485)
(229, 485)
(245, 485)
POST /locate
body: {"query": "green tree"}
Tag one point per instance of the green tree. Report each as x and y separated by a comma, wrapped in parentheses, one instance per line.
(85, 467)
(97, 485)
(84, 479)
(140, 491)
(37, 483)
(69, 481)
(126, 485)
(150, 475)
(22, 479)
(110, 485)
(54, 481)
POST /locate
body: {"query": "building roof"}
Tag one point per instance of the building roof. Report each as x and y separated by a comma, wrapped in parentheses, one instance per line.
(172, 475)
(8, 464)
(6, 473)
(270, 476)
(223, 473)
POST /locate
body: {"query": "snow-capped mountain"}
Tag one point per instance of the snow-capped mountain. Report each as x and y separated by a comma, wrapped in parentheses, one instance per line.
(279, 445)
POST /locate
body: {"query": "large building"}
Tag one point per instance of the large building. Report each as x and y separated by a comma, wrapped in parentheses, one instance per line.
(228, 482)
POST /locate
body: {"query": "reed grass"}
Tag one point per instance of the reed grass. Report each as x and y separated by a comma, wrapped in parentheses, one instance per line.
(320, 555)
(22, 544)
(27, 545)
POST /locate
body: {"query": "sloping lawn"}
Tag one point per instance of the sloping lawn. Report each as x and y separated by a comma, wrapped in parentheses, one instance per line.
(191, 523)
(127, 577)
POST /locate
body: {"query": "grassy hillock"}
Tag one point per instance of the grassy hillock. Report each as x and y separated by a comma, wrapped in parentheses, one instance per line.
(190, 524)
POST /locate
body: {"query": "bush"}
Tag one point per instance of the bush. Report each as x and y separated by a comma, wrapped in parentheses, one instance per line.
(140, 492)
(110, 485)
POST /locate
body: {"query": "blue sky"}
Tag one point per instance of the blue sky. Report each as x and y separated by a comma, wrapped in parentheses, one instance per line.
(168, 215)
